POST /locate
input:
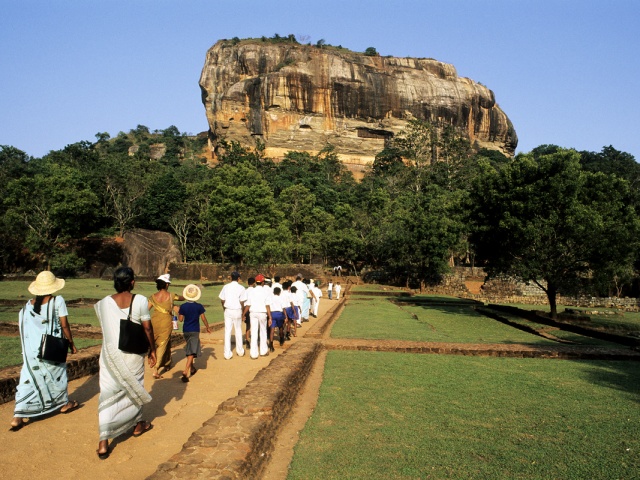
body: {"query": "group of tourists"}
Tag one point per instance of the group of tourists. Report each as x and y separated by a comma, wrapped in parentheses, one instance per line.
(265, 305)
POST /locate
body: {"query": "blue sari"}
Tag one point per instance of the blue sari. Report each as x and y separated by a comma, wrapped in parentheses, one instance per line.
(43, 385)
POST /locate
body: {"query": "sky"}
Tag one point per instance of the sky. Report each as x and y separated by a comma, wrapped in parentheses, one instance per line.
(566, 72)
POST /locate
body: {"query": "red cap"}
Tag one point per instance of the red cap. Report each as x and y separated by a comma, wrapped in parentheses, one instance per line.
(259, 278)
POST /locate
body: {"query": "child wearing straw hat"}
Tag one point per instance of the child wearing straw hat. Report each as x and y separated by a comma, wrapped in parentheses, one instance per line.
(191, 312)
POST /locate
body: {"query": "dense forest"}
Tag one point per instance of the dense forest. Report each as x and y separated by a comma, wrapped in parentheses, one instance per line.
(564, 218)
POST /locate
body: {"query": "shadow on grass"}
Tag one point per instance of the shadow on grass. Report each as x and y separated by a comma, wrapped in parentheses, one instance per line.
(622, 376)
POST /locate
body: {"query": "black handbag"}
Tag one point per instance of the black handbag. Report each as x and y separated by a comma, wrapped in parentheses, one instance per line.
(52, 348)
(133, 338)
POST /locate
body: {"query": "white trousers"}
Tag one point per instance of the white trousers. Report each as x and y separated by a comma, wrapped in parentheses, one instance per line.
(258, 323)
(316, 305)
(233, 322)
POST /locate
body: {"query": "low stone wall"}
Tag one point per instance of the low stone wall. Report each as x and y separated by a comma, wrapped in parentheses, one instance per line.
(237, 442)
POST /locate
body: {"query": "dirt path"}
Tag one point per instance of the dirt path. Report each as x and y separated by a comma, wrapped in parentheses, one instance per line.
(63, 446)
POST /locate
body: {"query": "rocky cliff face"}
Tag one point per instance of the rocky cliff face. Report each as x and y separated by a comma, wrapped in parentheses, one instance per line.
(300, 97)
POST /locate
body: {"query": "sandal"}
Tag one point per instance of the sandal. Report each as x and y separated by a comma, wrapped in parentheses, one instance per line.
(157, 376)
(71, 406)
(104, 455)
(146, 427)
(193, 371)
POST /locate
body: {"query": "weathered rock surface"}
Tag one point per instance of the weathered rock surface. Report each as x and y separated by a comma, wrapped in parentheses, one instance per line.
(300, 97)
(149, 252)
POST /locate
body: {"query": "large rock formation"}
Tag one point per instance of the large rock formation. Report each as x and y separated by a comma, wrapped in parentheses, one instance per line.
(300, 97)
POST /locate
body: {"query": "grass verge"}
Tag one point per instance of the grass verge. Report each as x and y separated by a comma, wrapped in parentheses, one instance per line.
(11, 350)
(378, 318)
(400, 416)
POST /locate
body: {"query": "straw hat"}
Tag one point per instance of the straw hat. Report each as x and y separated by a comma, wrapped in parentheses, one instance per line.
(191, 293)
(45, 284)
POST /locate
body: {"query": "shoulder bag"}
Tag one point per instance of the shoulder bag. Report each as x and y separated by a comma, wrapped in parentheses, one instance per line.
(52, 348)
(133, 338)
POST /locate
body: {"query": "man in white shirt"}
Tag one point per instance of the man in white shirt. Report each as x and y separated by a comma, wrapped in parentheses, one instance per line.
(231, 297)
(316, 302)
(301, 295)
(276, 283)
(257, 304)
(338, 290)
(330, 289)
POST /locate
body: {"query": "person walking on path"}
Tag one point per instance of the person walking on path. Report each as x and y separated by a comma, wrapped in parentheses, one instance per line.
(230, 297)
(257, 304)
(317, 293)
(278, 316)
(330, 289)
(42, 387)
(191, 313)
(338, 290)
(251, 283)
(122, 392)
(161, 307)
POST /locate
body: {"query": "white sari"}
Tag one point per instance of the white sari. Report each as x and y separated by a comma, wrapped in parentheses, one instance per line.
(122, 392)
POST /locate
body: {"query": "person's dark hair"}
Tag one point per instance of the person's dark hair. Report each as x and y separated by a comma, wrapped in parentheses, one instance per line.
(277, 290)
(123, 279)
(161, 284)
(306, 281)
(294, 289)
(38, 303)
(276, 279)
(287, 284)
(251, 281)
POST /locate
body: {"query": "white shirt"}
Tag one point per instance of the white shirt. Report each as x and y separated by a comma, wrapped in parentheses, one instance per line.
(302, 293)
(257, 299)
(317, 292)
(231, 295)
(279, 303)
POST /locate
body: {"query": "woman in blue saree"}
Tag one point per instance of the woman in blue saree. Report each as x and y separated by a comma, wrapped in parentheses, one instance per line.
(43, 384)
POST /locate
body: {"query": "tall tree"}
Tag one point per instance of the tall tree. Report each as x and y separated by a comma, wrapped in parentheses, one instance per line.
(544, 219)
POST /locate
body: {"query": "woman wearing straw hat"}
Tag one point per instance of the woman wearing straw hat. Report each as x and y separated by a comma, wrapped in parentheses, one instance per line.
(43, 384)
(161, 306)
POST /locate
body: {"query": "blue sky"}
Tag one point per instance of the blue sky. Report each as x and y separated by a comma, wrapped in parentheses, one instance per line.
(566, 72)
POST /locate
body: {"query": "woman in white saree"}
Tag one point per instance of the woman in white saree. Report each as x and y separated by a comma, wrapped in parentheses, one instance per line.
(122, 392)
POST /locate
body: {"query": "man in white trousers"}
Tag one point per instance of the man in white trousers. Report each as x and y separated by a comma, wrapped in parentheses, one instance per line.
(231, 297)
(257, 304)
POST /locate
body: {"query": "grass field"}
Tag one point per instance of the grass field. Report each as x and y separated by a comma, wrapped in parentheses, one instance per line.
(11, 350)
(629, 321)
(91, 290)
(378, 318)
(403, 416)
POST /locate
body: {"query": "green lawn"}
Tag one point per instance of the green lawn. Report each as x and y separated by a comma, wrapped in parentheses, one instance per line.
(410, 416)
(629, 321)
(379, 318)
(11, 350)
(93, 289)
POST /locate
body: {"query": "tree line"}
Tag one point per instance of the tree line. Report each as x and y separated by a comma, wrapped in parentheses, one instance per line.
(564, 219)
